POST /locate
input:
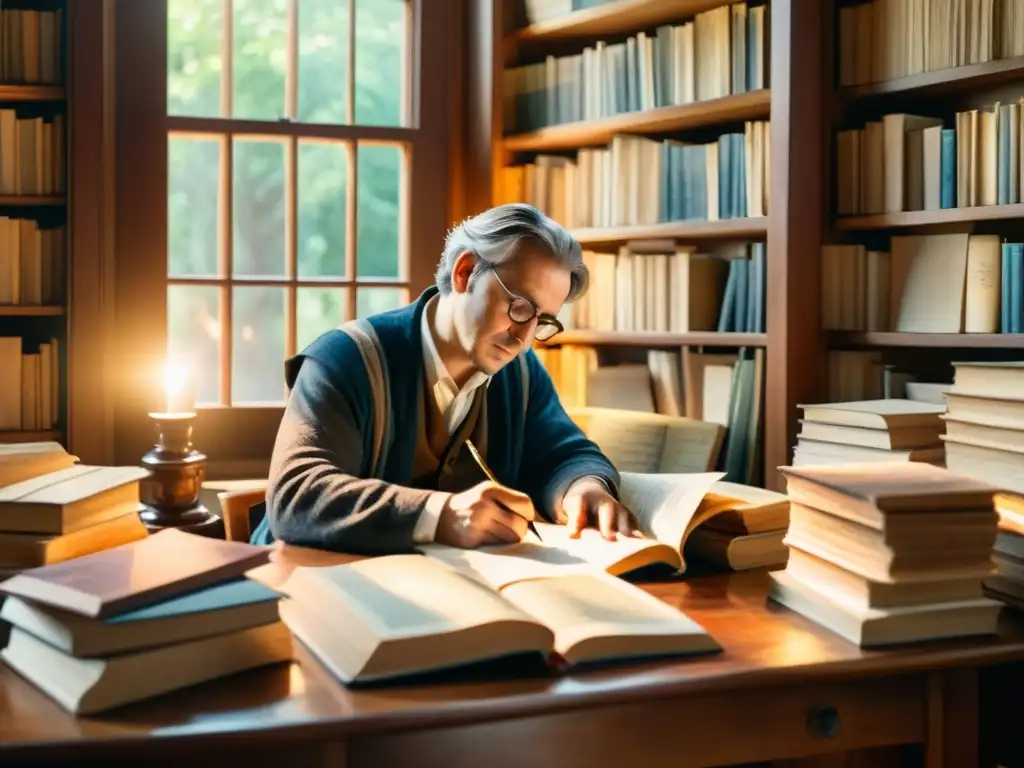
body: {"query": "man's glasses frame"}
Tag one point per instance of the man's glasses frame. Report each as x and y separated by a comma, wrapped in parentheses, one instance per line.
(521, 311)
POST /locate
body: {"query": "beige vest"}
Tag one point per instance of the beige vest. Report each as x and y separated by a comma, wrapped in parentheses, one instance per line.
(443, 463)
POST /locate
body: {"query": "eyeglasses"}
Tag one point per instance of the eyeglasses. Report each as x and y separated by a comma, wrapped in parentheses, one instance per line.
(521, 310)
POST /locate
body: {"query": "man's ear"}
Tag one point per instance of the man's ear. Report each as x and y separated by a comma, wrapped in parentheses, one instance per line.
(461, 271)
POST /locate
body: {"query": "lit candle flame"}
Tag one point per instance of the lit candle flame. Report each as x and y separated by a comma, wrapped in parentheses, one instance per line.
(180, 396)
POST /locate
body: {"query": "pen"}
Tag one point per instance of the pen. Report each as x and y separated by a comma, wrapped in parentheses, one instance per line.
(490, 476)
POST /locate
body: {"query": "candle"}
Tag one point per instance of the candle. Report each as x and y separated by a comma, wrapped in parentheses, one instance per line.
(178, 390)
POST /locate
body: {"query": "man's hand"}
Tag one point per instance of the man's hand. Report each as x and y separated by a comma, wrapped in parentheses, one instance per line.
(485, 514)
(587, 502)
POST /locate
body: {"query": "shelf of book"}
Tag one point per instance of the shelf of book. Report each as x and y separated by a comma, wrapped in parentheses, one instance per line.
(25, 310)
(939, 81)
(34, 107)
(611, 18)
(10, 92)
(916, 219)
(727, 109)
(752, 227)
(879, 339)
(657, 339)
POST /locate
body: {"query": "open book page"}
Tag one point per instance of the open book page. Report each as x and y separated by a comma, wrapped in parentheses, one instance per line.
(666, 505)
(391, 616)
(501, 565)
(666, 510)
(647, 442)
(504, 564)
(400, 595)
(596, 615)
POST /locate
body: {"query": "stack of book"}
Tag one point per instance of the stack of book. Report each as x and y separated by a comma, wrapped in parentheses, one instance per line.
(141, 619)
(1007, 583)
(889, 553)
(52, 509)
(744, 527)
(870, 430)
(985, 423)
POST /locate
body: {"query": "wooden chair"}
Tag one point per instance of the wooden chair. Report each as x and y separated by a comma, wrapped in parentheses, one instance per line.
(236, 508)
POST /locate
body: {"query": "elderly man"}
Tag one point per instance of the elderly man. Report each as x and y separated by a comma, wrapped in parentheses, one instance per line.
(371, 453)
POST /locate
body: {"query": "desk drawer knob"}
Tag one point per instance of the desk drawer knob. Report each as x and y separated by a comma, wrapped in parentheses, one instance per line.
(823, 722)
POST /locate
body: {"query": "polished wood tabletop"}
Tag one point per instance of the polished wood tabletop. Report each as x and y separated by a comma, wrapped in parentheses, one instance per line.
(764, 644)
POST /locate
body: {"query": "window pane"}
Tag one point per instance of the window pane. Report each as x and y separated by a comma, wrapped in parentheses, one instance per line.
(193, 57)
(319, 310)
(323, 61)
(193, 330)
(257, 365)
(380, 44)
(370, 301)
(378, 169)
(259, 205)
(260, 59)
(192, 202)
(323, 175)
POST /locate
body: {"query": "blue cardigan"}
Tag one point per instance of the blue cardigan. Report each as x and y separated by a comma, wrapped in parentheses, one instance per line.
(347, 440)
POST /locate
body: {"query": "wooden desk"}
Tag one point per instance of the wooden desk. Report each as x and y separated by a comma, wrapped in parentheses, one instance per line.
(782, 689)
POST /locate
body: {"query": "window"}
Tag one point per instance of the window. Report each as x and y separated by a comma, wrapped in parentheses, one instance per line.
(292, 130)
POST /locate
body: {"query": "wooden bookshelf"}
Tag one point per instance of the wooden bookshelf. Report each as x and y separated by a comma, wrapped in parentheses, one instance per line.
(15, 93)
(942, 81)
(34, 311)
(611, 19)
(658, 340)
(728, 109)
(679, 230)
(895, 340)
(943, 285)
(921, 219)
(23, 310)
(792, 98)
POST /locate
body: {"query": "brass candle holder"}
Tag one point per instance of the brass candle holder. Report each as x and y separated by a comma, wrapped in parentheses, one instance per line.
(170, 496)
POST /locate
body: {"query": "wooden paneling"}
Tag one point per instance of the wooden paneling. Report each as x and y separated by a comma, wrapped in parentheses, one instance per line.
(795, 365)
(140, 341)
(92, 165)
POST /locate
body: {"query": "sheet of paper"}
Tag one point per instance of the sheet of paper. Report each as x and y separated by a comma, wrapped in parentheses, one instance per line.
(665, 504)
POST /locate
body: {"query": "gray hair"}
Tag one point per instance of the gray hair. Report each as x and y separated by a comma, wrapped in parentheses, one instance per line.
(494, 236)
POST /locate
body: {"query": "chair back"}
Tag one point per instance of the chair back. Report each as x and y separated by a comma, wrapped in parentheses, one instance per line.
(242, 511)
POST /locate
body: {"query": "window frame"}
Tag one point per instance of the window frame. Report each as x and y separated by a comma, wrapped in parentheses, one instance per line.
(239, 439)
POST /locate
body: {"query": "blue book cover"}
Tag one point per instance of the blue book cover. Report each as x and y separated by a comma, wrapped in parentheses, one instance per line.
(948, 168)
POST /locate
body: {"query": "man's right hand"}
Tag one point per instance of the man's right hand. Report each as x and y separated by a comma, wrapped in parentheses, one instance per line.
(481, 516)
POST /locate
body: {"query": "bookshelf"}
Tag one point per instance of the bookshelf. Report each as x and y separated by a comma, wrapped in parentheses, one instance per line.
(782, 220)
(933, 200)
(33, 221)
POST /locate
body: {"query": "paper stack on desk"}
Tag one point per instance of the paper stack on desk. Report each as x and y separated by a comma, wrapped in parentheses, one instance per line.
(889, 553)
(141, 619)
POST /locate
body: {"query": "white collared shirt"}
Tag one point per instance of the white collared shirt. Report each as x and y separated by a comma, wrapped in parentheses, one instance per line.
(453, 404)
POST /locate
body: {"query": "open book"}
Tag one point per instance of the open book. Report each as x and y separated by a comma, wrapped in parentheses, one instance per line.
(401, 615)
(667, 507)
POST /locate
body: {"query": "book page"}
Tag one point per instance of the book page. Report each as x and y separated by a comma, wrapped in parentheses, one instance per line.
(584, 607)
(558, 555)
(501, 565)
(665, 505)
(401, 595)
